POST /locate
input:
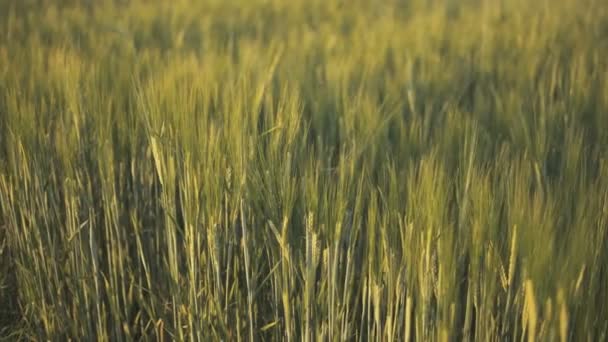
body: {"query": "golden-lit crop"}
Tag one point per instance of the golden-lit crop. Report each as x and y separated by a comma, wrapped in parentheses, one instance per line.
(304, 170)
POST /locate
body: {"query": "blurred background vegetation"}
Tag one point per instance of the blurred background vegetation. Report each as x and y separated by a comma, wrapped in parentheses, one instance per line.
(304, 170)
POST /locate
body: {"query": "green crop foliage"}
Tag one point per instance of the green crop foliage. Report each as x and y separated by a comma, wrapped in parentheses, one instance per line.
(304, 170)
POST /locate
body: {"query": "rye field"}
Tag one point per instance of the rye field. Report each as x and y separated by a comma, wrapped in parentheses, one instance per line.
(304, 170)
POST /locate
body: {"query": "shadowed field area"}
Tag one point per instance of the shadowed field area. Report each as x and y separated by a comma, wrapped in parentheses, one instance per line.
(321, 170)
